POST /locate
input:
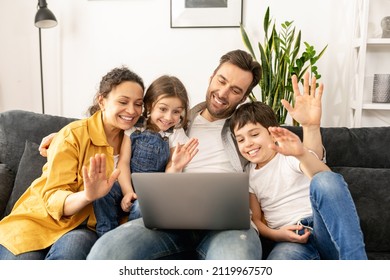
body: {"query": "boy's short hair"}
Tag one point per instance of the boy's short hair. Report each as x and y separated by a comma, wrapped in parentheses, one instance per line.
(253, 112)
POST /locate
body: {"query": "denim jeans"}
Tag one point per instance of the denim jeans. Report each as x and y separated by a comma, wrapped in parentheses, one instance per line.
(149, 152)
(73, 245)
(108, 210)
(336, 228)
(133, 241)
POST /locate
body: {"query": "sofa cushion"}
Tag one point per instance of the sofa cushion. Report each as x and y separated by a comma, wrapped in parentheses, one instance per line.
(30, 168)
(29, 126)
(354, 147)
(372, 200)
(357, 147)
(7, 178)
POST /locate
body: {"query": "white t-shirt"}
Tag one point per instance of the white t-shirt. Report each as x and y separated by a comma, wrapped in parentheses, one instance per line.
(211, 156)
(282, 190)
(177, 136)
(116, 159)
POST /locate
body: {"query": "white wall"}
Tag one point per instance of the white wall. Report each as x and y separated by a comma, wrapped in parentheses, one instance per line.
(92, 37)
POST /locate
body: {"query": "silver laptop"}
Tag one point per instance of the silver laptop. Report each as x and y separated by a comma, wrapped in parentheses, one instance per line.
(213, 201)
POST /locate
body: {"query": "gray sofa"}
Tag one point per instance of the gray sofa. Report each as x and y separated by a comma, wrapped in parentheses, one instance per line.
(361, 155)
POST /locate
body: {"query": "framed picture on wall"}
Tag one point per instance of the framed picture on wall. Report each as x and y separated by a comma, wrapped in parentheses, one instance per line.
(206, 13)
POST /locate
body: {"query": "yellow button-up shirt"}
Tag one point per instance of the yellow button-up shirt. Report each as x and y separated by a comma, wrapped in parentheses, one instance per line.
(37, 219)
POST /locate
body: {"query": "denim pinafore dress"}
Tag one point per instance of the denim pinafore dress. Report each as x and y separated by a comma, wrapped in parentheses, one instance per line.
(149, 151)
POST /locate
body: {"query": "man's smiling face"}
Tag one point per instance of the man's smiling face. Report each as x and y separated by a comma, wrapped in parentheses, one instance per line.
(226, 90)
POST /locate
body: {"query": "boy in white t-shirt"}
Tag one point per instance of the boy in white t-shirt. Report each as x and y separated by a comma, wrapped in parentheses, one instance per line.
(307, 216)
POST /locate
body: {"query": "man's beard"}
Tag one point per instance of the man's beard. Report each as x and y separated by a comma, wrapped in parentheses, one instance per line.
(219, 114)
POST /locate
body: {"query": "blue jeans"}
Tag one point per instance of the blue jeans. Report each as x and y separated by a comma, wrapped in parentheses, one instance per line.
(336, 228)
(150, 153)
(133, 241)
(108, 210)
(74, 245)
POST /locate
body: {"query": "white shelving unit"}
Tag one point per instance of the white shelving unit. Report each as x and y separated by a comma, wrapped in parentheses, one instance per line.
(371, 56)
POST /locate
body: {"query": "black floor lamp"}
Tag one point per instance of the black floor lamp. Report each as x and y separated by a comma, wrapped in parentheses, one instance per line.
(43, 19)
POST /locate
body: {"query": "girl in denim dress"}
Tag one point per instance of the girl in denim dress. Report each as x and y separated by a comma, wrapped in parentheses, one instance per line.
(157, 143)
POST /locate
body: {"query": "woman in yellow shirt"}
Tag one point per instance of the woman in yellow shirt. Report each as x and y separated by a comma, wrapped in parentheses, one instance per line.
(54, 218)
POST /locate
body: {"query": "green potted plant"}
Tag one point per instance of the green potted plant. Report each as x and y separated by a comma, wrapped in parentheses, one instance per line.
(279, 59)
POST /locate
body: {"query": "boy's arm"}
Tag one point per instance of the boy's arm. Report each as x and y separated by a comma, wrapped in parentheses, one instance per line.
(307, 111)
(289, 144)
(257, 218)
(312, 140)
(286, 233)
(124, 178)
(310, 164)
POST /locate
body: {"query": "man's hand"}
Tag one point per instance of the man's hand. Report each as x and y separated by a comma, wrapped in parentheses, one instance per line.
(45, 143)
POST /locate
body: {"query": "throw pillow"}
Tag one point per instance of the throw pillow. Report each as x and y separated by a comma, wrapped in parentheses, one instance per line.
(30, 168)
(7, 178)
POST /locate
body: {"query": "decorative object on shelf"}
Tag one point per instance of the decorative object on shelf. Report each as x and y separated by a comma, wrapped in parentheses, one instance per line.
(210, 13)
(385, 24)
(279, 61)
(44, 18)
(370, 56)
(381, 88)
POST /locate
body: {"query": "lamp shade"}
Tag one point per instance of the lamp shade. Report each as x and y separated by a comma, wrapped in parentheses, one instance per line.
(44, 17)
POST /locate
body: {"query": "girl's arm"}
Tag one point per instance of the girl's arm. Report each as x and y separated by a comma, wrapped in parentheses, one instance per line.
(124, 178)
(181, 155)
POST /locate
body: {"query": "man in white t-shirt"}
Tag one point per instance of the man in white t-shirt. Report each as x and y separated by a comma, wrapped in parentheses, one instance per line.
(230, 84)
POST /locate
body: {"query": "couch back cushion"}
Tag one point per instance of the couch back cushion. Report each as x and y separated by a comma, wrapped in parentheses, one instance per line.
(355, 147)
(371, 194)
(17, 126)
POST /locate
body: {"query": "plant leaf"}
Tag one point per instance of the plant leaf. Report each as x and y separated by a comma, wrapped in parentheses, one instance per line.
(279, 58)
(246, 40)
